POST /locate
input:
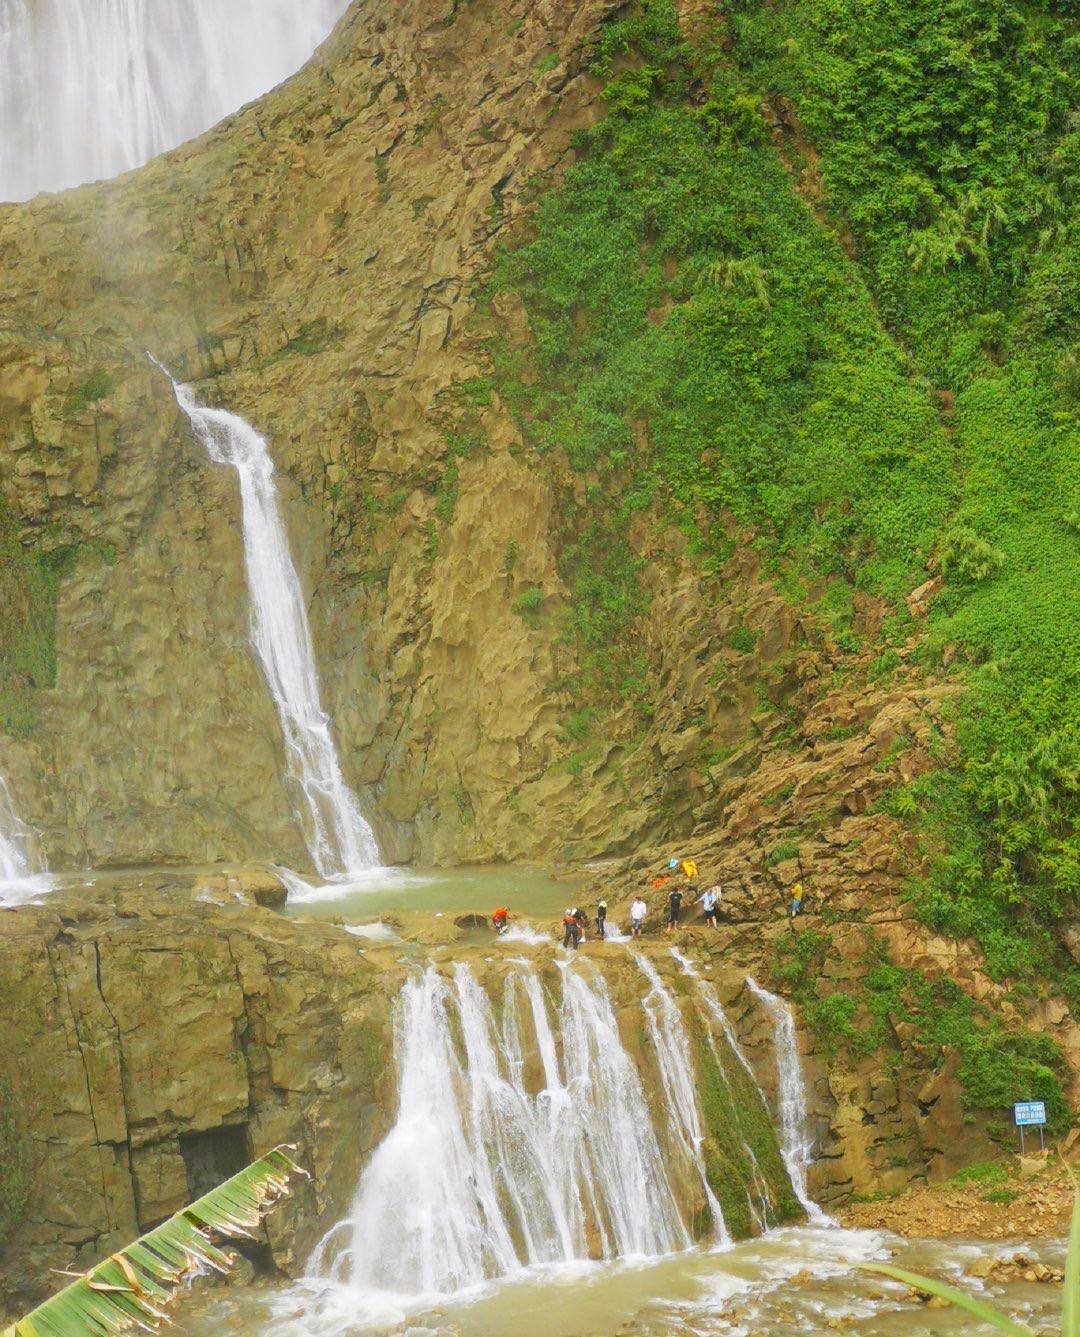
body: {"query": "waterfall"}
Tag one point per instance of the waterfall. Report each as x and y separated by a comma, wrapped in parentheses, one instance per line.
(91, 88)
(679, 1079)
(796, 1141)
(341, 842)
(22, 873)
(478, 1178)
(713, 1006)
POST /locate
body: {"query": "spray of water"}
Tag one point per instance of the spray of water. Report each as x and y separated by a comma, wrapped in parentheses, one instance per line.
(341, 843)
(479, 1179)
(22, 872)
(91, 88)
(796, 1141)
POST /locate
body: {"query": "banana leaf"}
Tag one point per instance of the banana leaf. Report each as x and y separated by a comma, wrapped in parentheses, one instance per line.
(929, 1286)
(131, 1288)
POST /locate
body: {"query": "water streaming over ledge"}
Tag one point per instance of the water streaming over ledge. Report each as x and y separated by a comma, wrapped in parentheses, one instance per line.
(22, 871)
(483, 1177)
(796, 1141)
(672, 1048)
(340, 840)
(91, 88)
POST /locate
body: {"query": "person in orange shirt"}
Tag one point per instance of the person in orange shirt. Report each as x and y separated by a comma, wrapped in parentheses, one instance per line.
(499, 919)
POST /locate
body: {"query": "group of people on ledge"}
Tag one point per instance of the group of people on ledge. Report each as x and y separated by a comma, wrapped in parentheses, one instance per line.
(676, 882)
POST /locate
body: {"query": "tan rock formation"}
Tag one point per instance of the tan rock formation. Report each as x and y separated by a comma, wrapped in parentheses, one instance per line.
(311, 263)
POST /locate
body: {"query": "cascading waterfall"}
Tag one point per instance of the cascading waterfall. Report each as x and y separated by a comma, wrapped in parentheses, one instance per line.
(91, 88)
(22, 873)
(480, 1179)
(341, 842)
(796, 1142)
(677, 1075)
(759, 1209)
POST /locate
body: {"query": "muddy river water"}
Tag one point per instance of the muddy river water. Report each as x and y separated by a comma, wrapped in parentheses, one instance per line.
(796, 1280)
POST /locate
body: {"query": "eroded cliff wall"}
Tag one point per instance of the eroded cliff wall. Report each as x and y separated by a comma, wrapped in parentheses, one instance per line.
(311, 264)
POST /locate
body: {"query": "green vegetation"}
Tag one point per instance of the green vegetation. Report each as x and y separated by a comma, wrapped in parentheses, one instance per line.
(95, 387)
(702, 345)
(742, 1158)
(948, 137)
(991, 1173)
(29, 585)
(997, 1065)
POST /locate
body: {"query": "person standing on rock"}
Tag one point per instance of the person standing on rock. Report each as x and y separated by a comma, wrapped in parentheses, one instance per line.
(798, 896)
(571, 930)
(674, 906)
(637, 915)
(710, 904)
(601, 917)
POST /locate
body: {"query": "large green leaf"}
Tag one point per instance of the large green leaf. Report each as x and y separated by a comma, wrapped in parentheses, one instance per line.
(131, 1288)
(979, 1308)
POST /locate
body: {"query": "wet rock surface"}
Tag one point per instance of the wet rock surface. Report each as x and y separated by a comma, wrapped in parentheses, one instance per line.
(152, 1044)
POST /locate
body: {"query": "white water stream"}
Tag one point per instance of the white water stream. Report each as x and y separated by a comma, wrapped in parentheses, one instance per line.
(22, 872)
(341, 843)
(482, 1179)
(676, 1066)
(91, 88)
(796, 1141)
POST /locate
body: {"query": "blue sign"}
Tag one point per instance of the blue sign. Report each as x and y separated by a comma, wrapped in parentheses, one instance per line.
(1027, 1112)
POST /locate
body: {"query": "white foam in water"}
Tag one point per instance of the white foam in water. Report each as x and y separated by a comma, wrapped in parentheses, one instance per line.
(796, 1141)
(341, 843)
(679, 1079)
(760, 1280)
(478, 1181)
(23, 875)
(524, 932)
(91, 88)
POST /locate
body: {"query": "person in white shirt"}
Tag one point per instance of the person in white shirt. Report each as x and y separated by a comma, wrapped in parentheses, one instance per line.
(637, 916)
(710, 904)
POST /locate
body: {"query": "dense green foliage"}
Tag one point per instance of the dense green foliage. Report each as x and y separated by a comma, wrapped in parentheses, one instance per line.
(996, 1065)
(703, 343)
(949, 141)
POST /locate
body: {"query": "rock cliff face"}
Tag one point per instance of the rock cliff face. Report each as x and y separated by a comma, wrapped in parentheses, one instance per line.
(153, 1045)
(311, 264)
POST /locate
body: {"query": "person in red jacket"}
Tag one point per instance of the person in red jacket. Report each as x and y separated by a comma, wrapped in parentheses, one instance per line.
(499, 919)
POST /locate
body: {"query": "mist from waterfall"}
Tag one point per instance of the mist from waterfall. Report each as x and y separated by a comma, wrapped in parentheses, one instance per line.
(796, 1140)
(340, 840)
(482, 1178)
(22, 872)
(91, 88)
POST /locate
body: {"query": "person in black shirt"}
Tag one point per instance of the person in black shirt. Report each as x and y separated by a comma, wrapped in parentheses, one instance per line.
(674, 905)
(601, 916)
